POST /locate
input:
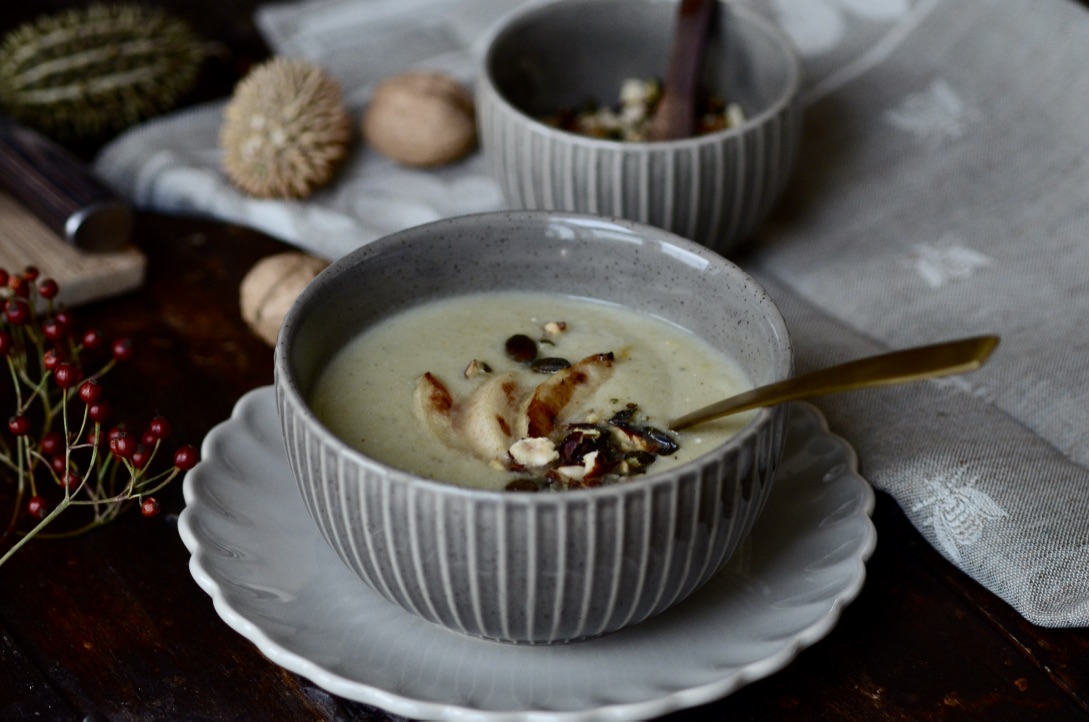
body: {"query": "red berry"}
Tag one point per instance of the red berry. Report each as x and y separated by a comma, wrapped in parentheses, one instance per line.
(19, 425)
(52, 443)
(31, 273)
(99, 411)
(141, 456)
(58, 464)
(149, 507)
(6, 342)
(62, 323)
(67, 375)
(64, 318)
(71, 481)
(160, 427)
(37, 507)
(122, 349)
(149, 439)
(53, 330)
(116, 431)
(92, 339)
(123, 445)
(186, 457)
(19, 286)
(17, 311)
(48, 288)
(90, 391)
(50, 359)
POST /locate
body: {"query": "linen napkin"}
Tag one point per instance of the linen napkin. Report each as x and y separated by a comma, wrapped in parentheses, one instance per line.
(942, 191)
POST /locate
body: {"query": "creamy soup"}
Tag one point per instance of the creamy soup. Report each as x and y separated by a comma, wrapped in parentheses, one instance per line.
(485, 390)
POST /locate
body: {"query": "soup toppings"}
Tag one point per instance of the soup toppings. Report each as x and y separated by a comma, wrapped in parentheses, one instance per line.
(486, 390)
(514, 422)
(629, 118)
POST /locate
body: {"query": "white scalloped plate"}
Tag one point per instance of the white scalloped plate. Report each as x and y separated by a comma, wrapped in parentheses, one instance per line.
(274, 580)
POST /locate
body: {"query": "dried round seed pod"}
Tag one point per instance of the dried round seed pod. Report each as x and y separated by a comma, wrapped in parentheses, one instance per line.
(271, 286)
(421, 119)
(86, 72)
(285, 130)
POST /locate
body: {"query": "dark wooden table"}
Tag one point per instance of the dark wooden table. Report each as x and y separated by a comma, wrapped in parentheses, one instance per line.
(111, 625)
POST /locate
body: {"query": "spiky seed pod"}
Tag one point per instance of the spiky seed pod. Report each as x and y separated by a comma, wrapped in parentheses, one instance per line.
(87, 72)
(285, 130)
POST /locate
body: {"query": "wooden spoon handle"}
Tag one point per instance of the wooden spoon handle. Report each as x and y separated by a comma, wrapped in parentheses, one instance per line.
(675, 116)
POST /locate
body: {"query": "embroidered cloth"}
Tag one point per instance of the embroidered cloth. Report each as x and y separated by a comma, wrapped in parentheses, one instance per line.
(942, 191)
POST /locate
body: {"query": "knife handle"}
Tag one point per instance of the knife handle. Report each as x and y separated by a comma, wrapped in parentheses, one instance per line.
(60, 190)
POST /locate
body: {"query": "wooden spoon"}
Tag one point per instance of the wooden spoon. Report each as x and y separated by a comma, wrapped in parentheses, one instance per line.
(897, 367)
(675, 116)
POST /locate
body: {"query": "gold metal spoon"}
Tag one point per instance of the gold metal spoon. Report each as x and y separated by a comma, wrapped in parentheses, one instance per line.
(897, 367)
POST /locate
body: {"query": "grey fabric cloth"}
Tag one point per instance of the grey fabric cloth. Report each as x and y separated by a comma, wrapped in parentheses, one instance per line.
(942, 191)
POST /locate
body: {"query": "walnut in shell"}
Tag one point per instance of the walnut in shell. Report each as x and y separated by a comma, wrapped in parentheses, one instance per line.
(271, 286)
(285, 130)
(421, 119)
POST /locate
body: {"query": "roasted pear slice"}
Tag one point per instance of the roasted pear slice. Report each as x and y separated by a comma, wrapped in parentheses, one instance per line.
(487, 420)
(562, 388)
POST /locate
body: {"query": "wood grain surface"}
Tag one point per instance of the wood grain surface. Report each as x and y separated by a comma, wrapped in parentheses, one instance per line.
(83, 276)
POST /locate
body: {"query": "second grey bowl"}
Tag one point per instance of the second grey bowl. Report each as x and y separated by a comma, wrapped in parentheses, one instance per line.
(715, 189)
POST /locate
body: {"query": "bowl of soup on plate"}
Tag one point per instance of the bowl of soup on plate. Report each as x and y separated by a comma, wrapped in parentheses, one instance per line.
(476, 412)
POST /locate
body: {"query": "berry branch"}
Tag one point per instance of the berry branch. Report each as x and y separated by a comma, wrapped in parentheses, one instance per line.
(58, 447)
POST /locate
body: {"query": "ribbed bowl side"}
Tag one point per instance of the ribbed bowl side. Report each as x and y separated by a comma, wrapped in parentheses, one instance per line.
(715, 192)
(532, 569)
(376, 525)
(769, 452)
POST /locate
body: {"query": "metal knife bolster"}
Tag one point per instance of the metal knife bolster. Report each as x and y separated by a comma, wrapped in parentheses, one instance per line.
(60, 190)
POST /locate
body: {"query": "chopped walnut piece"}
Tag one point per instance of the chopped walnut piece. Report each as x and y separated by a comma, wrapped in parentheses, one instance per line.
(554, 328)
(476, 366)
(571, 473)
(524, 427)
(590, 469)
(534, 452)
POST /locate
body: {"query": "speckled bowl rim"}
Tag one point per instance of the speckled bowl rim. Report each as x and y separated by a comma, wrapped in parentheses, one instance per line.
(791, 90)
(286, 384)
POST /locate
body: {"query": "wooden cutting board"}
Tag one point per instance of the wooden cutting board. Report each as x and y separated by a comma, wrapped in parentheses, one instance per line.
(82, 276)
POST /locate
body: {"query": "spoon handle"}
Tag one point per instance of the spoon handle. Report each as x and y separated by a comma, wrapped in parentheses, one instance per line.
(897, 367)
(675, 116)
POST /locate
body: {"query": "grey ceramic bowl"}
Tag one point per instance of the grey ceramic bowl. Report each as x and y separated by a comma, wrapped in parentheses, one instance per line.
(715, 188)
(545, 567)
